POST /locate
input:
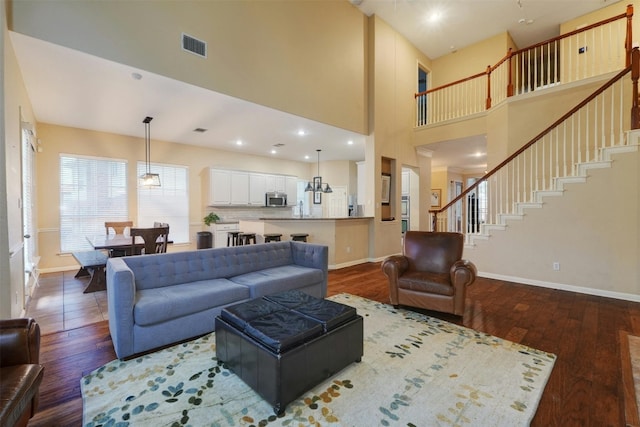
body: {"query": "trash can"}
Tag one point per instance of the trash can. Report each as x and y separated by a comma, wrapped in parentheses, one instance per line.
(205, 239)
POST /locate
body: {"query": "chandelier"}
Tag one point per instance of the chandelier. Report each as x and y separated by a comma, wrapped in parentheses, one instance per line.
(316, 186)
(148, 179)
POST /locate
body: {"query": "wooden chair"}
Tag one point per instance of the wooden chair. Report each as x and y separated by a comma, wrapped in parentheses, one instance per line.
(155, 240)
(118, 227)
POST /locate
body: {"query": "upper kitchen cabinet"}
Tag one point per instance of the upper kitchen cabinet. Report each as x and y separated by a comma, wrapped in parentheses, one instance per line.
(228, 187)
(257, 188)
(243, 188)
(276, 183)
(219, 187)
(239, 188)
(291, 188)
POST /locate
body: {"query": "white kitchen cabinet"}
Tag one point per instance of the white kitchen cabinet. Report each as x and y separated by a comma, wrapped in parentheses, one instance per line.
(220, 233)
(257, 188)
(291, 188)
(243, 188)
(219, 187)
(239, 188)
(276, 183)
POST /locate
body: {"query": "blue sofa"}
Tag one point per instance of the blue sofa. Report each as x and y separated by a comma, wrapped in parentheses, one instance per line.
(156, 300)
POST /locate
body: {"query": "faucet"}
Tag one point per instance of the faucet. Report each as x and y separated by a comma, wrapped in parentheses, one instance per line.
(301, 211)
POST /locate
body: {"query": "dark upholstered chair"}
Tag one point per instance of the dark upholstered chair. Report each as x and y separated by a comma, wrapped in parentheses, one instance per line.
(430, 273)
(155, 240)
(20, 370)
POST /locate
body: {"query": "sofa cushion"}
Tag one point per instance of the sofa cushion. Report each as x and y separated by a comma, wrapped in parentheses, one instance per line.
(283, 278)
(158, 270)
(170, 302)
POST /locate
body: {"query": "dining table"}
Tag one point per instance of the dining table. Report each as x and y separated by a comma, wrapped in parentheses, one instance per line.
(93, 263)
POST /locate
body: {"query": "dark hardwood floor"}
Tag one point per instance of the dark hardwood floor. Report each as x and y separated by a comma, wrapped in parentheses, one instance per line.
(585, 387)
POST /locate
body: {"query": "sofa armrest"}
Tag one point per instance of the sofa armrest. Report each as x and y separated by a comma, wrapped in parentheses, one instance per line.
(393, 267)
(19, 342)
(121, 297)
(313, 256)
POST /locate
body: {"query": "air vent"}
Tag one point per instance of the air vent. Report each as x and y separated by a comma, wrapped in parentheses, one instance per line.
(200, 130)
(193, 45)
(278, 145)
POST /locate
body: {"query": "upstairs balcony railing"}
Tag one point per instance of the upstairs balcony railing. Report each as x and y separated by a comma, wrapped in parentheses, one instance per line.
(594, 50)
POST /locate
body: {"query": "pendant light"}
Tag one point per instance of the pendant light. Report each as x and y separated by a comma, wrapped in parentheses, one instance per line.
(316, 186)
(148, 179)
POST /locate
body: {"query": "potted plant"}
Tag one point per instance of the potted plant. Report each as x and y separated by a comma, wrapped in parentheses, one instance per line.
(211, 218)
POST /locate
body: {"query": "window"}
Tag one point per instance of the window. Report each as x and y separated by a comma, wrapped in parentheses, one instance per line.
(92, 191)
(168, 203)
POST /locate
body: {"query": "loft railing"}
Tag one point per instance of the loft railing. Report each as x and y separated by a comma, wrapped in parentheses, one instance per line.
(578, 137)
(594, 50)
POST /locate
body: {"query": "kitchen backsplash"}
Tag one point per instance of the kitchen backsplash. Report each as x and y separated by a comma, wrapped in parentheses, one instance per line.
(236, 213)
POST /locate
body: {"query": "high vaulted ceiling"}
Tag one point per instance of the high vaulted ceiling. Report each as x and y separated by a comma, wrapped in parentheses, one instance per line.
(70, 88)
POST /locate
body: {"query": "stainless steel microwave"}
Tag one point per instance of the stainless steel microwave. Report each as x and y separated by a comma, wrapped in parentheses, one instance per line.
(275, 199)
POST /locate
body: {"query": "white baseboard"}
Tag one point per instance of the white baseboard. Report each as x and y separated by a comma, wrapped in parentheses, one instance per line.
(59, 269)
(563, 287)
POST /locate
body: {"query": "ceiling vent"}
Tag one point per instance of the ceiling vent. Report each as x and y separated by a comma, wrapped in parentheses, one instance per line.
(200, 130)
(279, 144)
(193, 45)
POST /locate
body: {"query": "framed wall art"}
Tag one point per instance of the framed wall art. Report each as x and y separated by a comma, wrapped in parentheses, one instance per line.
(435, 197)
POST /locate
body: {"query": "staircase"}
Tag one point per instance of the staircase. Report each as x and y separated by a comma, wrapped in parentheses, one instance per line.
(557, 189)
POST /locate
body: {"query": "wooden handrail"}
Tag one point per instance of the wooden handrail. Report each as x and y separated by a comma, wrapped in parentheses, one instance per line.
(628, 48)
(635, 124)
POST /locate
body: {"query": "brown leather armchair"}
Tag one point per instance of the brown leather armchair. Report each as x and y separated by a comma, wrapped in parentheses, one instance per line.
(430, 274)
(20, 371)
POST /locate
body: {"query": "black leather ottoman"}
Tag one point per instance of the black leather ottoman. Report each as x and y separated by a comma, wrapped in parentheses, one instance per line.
(284, 344)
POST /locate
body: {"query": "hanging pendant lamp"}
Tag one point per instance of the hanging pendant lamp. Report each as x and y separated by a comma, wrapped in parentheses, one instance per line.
(148, 179)
(316, 186)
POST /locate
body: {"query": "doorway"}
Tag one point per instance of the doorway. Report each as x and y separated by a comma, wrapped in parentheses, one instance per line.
(28, 228)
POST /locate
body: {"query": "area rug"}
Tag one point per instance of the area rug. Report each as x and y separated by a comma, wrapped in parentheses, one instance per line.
(416, 371)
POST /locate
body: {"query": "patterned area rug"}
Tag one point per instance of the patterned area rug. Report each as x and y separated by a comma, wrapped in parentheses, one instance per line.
(416, 370)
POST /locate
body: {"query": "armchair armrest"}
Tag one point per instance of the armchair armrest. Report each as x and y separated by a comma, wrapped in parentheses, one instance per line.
(19, 342)
(463, 273)
(393, 267)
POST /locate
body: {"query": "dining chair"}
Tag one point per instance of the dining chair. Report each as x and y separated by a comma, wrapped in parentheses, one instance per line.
(155, 240)
(118, 227)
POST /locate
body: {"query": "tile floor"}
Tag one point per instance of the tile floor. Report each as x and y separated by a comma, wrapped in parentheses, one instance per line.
(58, 303)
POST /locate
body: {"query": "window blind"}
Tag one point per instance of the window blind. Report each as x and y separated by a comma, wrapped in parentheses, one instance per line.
(92, 191)
(168, 203)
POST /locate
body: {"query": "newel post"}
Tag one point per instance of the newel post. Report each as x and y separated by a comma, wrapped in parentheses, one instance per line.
(434, 221)
(509, 74)
(488, 86)
(635, 73)
(628, 43)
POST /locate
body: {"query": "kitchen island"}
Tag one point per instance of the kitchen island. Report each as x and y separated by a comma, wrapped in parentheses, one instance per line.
(347, 238)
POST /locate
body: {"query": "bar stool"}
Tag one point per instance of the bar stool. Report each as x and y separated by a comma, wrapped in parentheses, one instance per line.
(299, 237)
(233, 238)
(246, 238)
(272, 237)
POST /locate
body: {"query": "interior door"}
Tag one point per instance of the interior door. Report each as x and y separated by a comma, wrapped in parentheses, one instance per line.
(29, 242)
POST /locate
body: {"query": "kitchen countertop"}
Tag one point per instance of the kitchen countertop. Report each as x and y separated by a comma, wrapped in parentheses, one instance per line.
(311, 218)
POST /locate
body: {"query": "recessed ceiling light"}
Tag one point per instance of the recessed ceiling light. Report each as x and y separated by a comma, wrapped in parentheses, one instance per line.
(301, 132)
(273, 151)
(239, 142)
(136, 76)
(306, 157)
(350, 142)
(435, 17)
